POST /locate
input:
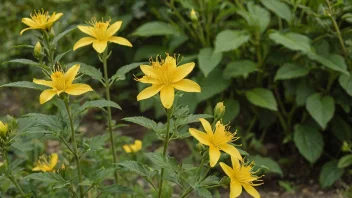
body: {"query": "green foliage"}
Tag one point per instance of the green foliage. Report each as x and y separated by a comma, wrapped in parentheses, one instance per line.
(262, 98)
(329, 174)
(321, 108)
(208, 60)
(25, 84)
(267, 163)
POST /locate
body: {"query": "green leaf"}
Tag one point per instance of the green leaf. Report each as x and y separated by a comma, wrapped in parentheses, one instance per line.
(203, 192)
(241, 68)
(309, 142)
(212, 85)
(138, 168)
(143, 121)
(51, 122)
(228, 40)
(334, 62)
(290, 71)
(146, 51)
(272, 165)
(193, 118)
(122, 71)
(96, 143)
(210, 180)
(293, 41)
(25, 62)
(62, 34)
(329, 174)
(155, 28)
(232, 109)
(257, 17)
(341, 129)
(59, 56)
(99, 104)
(88, 70)
(49, 178)
(346, 83)
(208, 60)
(162, 161)
(117, 189)
(321, 108)
(345, 161)
(303, 91)
(262, 98)
(280, 9)
(100, 174)
(25, 84)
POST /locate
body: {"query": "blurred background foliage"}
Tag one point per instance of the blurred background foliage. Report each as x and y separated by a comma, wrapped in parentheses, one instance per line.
(282, 68)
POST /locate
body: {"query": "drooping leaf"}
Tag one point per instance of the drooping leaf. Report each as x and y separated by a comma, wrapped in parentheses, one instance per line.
(334, 62)
(25, 62)
(290, 71)
(208, 60)
(293, 41)
(49, 178)
(59, 56)
(122, 71)
(155, 28)
(257, 17)
(346, 83)
(99, 104)
(241, 68)
(62, 34)
(51, 122)
(279, 8)
(345, 161)
(230, 40)
(272, 165)
(25, 84)
(321, 108)
(262, 98)
(309, 142)
(143, 121)
(329, 174)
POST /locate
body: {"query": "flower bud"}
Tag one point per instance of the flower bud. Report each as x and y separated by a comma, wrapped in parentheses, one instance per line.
(219, 110)
(200, 147)
(3, 130)
(193, 15)
(38, 50)
(51, 34)
(345, 147)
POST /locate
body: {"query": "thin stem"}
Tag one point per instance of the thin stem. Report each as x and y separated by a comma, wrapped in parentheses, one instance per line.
(166, 143)
(107, 93)
(190, 189)
(74, 143)
(10, 176)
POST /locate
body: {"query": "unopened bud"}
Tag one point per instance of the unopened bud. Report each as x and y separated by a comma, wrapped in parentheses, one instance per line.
(193, 15)
(3, 130)
(200, 147)
(38, 50)
(345, 147)
(51, 34)
(219, 110)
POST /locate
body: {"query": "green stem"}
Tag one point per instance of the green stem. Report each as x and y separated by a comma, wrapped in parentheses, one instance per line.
(107, 93)
(190, 189)
(10, 176)
(166, 143)
(74, 143)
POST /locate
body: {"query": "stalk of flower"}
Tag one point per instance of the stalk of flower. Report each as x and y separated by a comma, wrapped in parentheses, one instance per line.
(40, 19)
(62, 82)
(133, 148)
(165, 76)
(242, 175)
(100, 33)
(46, 164)
(217, 140)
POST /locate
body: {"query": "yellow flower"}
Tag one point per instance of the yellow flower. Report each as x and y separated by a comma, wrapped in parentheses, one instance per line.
(3, 129)
(102, 33)
(62, 82)
(40, 20)
(241, 175)
(128, 148)
(219, 110)
(218, 140)
(45, 163)
(165, 76)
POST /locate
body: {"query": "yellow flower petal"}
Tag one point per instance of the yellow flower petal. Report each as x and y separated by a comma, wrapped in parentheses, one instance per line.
(43, 82)
(214, 155)
(83, 42)
(182, 71)
(149, 71)
(99, 46)
(113, 28)
(231, 150)
(251, 190)
(227, 169)
(37, 168)
(200, 136)
(235, 189)
(206, 125)
(87, 29)
(53, 160)
(167, 95)
(71, 74)
(138, 145)
(55, 17)
(78, 89)
(120, 41)
(127, 148)
(29, 22)
(149, 92)
(25, 29)
(186, 85)
(171, 61)
(235, 163)
(150, 80)
(46, 95)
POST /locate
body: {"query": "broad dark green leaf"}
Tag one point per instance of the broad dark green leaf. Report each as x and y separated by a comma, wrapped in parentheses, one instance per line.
(262, 98)
(272, 165)
(309, 142)
(25, 84)
(211, 85)
(257, 17)
(232, 109)
(241, 68)
(329, 174)
(293, 41)
(279, 8)
(345, 161)
(290, 71)
(155, 28)
(346, 83)
(145, 52)
(334, 62)
(230, 40)
(208, 60)
(321, 108)
(341, 129)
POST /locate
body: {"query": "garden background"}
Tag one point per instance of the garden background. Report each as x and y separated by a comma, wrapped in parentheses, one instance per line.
(282, 69)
